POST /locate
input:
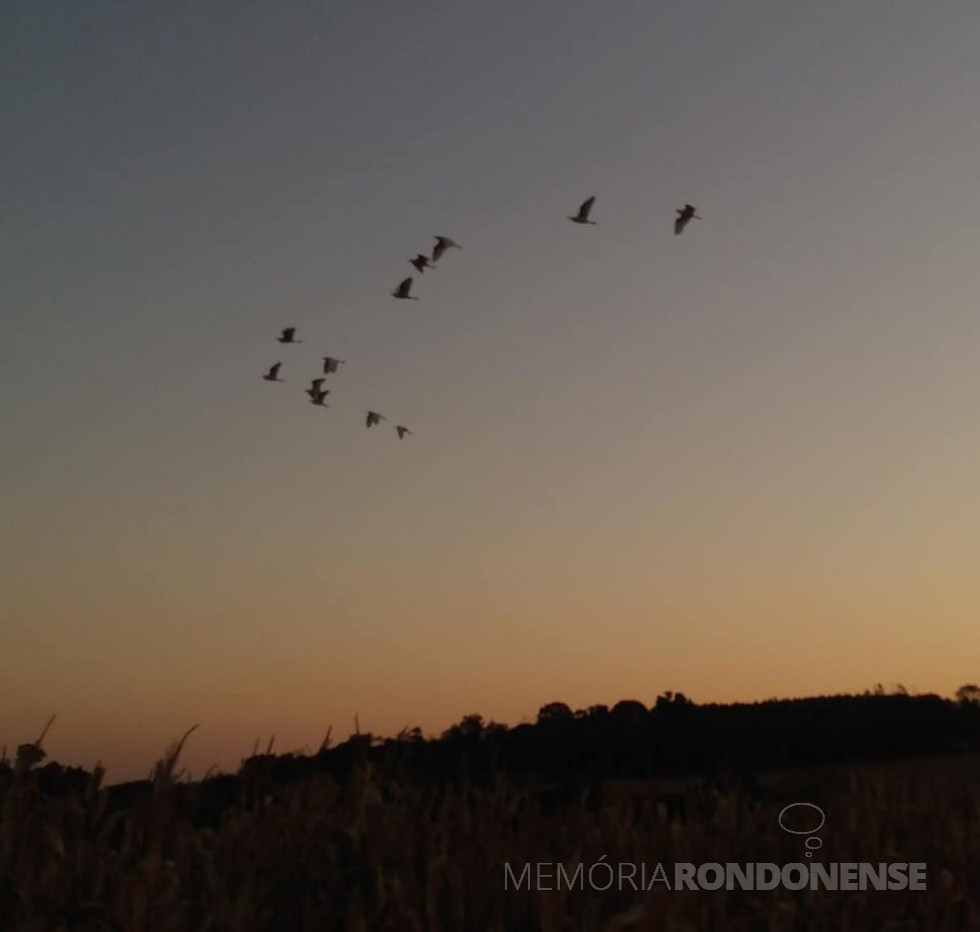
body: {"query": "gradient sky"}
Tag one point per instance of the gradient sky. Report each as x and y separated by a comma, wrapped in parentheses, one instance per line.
(741, 463)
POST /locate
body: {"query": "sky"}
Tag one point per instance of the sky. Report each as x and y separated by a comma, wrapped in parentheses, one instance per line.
(742, 463)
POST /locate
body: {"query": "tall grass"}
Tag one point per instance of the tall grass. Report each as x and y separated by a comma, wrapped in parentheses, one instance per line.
(372, 852)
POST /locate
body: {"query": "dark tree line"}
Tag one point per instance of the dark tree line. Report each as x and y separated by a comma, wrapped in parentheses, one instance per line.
(673, 738)
(677, 738)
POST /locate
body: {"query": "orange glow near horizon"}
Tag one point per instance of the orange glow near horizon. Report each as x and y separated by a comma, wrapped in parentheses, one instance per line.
(739, 463)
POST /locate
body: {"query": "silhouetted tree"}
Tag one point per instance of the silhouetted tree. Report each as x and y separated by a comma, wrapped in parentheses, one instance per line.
(554, 712)
(566, 755)
(629, 712)
(469, 726)
(968, 693)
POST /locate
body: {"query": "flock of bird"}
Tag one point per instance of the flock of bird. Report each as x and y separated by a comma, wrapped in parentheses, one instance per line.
(421, 262)
(684, 215)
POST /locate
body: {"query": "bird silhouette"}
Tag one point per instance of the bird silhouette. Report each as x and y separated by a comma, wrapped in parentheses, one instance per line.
(273, 374)
(314, 390)
(317, 396)
(683, 218)
(288, 336)
(402, 291)
(583, 212)
(421, 262)
(374, 418)
(402, 431)
(442, 244)
(330, 364)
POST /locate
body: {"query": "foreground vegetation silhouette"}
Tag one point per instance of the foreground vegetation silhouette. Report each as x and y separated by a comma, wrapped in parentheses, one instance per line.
(407, 833)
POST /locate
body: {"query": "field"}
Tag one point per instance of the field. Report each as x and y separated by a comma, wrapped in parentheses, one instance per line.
(372, 851)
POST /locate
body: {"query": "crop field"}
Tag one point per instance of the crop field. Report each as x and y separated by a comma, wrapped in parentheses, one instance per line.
(373, 851)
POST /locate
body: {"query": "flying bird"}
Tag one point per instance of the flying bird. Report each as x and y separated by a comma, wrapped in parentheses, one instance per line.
(402, 291)
(330, 364)
(273, 374)
(683, 218)
(288, 336)
(442, 244)
(314, 390)
(402, 431)
(373, 418)
(317, 396)
(583, 212)
(421, 262)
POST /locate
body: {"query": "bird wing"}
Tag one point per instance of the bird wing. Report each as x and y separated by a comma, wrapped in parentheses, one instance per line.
(274, 370)
(679, 224)
(586, 208)
(287, 334)
(317, 383)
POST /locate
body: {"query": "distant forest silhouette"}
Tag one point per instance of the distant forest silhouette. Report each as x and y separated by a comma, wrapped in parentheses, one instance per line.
(574, 751)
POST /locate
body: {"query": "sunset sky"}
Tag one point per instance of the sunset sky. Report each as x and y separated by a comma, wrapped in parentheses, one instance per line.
(743, 462)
